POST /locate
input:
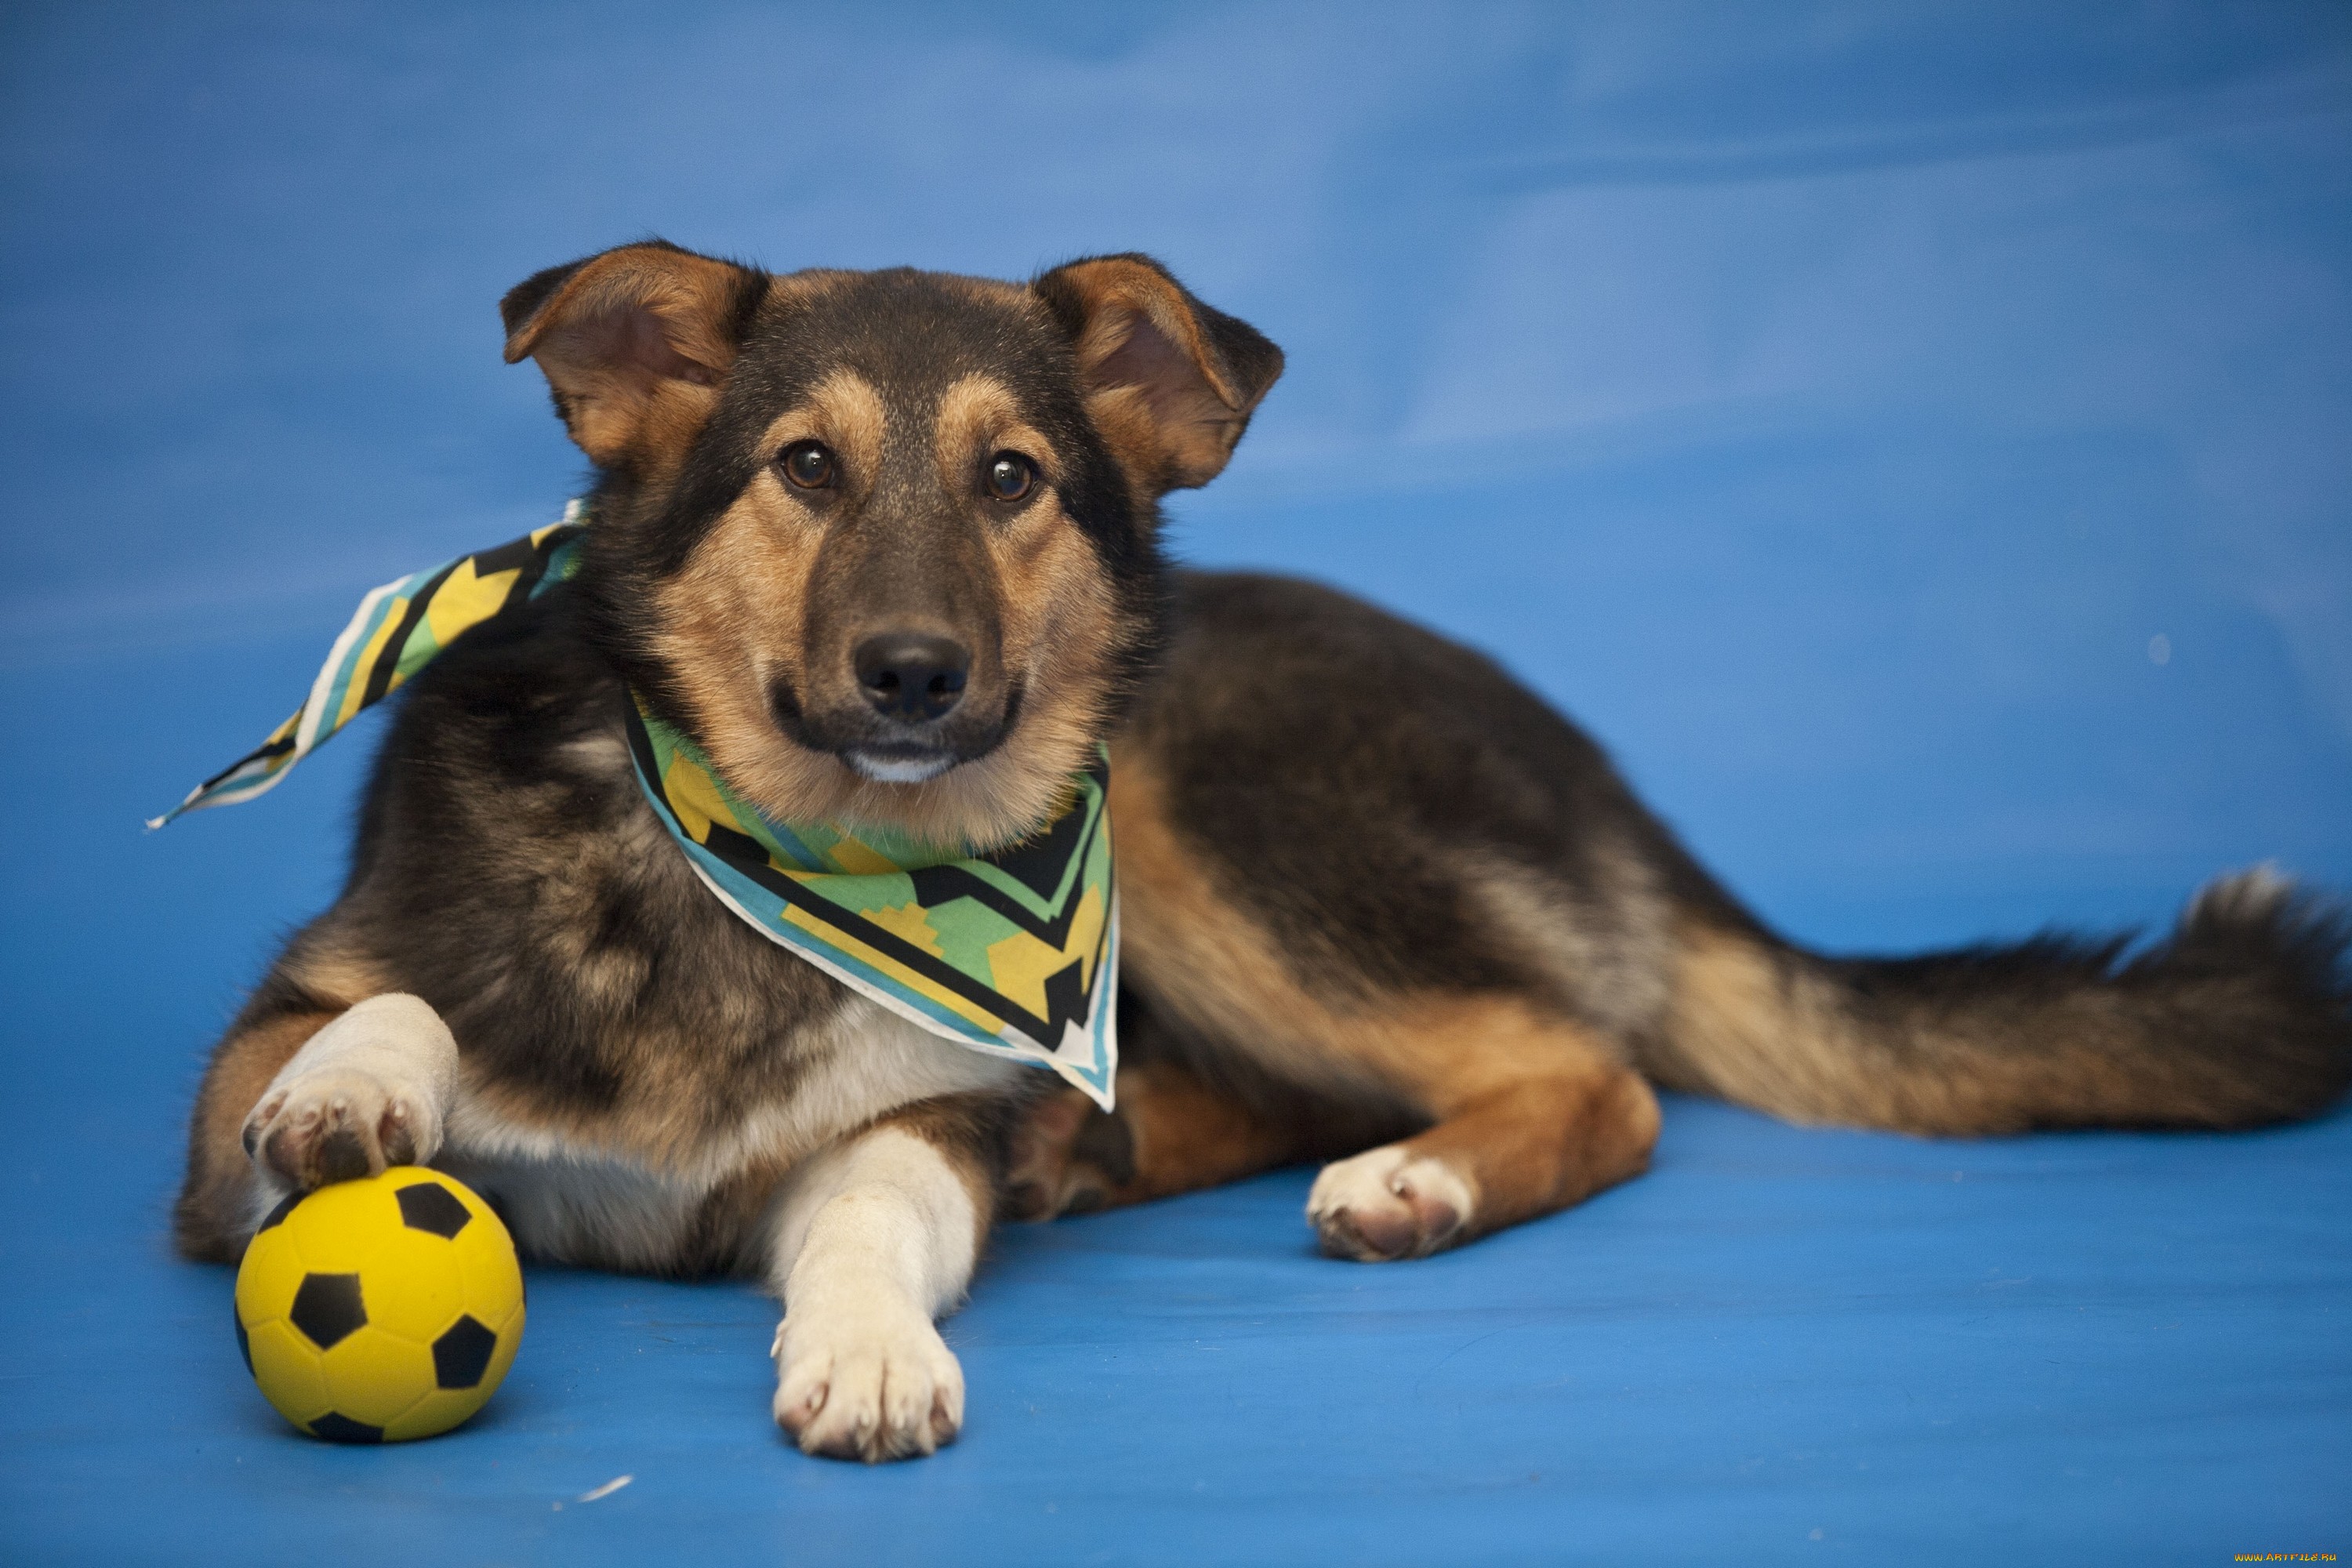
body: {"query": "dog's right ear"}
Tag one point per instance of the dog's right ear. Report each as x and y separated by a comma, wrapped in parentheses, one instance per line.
(633, 343)
(1171, 381)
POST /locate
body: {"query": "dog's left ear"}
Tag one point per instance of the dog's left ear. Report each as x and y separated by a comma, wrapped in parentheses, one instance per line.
(634, 342)
(1169, 380)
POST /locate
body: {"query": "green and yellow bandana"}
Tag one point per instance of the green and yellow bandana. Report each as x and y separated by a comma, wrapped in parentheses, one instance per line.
(1015, 953)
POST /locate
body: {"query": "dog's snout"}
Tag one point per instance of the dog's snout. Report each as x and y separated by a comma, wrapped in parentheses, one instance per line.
(911, 676)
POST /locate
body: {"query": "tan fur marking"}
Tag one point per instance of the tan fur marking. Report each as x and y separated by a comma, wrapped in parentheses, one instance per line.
(847, 413)
(1758, 1035)
(978, 415)
(1754, 1027)
(338, 979)
(213, 1213)
(1539, 1143)
(1187, 1135)
(731, 625)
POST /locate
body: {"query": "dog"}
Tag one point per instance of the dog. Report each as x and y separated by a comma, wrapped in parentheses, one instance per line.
(886, 545)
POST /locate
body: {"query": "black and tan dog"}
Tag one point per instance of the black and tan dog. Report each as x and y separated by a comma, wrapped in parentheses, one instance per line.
(886, 544)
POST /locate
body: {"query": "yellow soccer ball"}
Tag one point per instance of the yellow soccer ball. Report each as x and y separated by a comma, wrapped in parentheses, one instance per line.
(376, 1310)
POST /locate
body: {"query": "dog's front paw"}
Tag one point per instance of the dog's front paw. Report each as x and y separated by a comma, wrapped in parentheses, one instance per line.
(367, 1091)
(1384, 1204)
(872, 1383)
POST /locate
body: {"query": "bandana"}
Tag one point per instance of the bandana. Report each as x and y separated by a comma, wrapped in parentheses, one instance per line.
(1013, 952)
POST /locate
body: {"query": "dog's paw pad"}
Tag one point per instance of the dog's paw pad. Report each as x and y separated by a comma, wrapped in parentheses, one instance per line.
(335, 1125)
(1386, 1204)
(874, 1388)
(366, 1091)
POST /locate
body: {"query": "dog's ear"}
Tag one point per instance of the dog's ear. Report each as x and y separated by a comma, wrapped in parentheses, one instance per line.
(634, 342)
(1170, 380)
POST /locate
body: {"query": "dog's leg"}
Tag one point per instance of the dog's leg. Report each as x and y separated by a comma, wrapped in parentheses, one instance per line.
(217, 1208)
(1171, 1134)
(312, 1097)
(1550, 1125)
(869, 1243)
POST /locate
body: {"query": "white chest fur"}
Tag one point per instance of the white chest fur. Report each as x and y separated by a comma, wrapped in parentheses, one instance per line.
(572, 1199)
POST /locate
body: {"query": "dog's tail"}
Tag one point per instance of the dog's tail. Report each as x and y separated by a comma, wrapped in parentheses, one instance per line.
(2241, 1016)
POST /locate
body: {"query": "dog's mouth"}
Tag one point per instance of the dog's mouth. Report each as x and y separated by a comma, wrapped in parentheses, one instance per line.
(903, 765)
(884, 751)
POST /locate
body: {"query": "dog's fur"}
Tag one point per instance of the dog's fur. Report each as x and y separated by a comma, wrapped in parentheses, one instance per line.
(1380, 906)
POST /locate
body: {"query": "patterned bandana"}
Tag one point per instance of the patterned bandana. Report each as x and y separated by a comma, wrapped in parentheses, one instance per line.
(1015, 953)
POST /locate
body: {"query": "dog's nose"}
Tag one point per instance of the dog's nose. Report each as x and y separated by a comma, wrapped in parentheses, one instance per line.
(910, 675)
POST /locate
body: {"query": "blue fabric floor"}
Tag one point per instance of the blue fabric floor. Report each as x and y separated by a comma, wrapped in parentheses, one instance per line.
(1911, 435)
(1783, 1346)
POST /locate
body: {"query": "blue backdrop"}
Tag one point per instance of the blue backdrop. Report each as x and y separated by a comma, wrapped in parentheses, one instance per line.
(1916, 440)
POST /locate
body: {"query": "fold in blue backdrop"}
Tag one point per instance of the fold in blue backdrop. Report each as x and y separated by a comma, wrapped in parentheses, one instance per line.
(1916, 440)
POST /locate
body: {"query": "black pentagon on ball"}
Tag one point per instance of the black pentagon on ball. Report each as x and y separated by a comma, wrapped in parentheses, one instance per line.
(462, 1354)
(278, 1215)
(428, 1205)
(326, 1307)
(244, 1340)
(336, 1428)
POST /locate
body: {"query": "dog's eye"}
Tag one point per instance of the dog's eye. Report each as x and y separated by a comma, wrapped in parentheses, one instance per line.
(807, 464)
(1010, 475)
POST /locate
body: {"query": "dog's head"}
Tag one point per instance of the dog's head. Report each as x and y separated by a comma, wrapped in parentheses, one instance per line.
(885, 543)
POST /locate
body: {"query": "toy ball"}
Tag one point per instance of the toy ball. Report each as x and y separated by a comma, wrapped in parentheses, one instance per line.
(380, 1309)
